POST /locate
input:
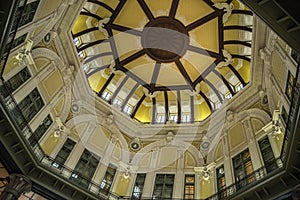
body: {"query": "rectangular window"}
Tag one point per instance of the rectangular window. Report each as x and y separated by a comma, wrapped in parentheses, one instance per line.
(189, 186)
(15, 82)
(160, 118)
(77, 41)
(138, 186)
(106, 95)
(19, 40)
(228, 95)
(64, 153)
(108, 179)
(267, 154)
(218, 105)
(243, 169)
(294, 55)
(128, 109)
(238, 87)
(221, 185)
(82, 54)
(163, 187)
(186, 117)
(173, 117)
(29, 107)
(28, 13)
(289, 85)
(40, 131)
(85, 169)
(118, 101)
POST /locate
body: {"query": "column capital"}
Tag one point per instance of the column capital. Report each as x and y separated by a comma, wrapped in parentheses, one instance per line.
(17, 185)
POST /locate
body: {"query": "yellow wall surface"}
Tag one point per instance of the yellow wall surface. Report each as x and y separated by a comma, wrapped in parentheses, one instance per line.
(50, 143)
(236, 136)
(122, 186)
(206, 188)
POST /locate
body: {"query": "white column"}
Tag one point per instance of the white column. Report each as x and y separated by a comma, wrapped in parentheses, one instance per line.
(229, 175)
(150, 177)
(179, 177)
(197, 183)
(131, 184)
(252, 144)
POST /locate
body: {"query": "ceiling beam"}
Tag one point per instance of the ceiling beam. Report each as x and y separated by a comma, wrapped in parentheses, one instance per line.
(173, 8)
(172, 87)
(192, 104)
(166, 106)
(225, 82)
(244, 28)
(117, 11)
(203, 51)
(146, 10)
(220, 32)
(237, 74)
(136, 107)
(85, 31)
(201, 21)
(115, 93)
(214, 89)
(245, 12)
(247, 44)
(132, 57)
(209, 69)
(126, 29)
(87, 45)
(89, 14)
(97, 70)
(184, 74)
(153, 110)
(178, 107)
(99, 3)
(129, 95)
(105, 85)
(155, 75)
(93, 57)
(135, 77)
(206, 100)
(241, 57)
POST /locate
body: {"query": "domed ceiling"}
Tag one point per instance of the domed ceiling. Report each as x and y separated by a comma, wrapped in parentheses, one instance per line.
(166, 61)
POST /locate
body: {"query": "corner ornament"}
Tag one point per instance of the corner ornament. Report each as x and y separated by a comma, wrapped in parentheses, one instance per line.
(228, 9)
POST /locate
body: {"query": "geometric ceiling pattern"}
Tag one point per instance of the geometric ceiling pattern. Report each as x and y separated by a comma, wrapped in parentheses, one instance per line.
(165, 61)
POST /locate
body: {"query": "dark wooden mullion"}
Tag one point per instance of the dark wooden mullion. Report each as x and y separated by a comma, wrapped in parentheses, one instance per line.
(132, 57)
(244, 28)
(146, 10)
(201, 21)
(153, 110)
(85, 32)
(241, 57)
(184, 73)
(106, 84)
(166, 106)
(125, 29)
(173, 8)
(245, 12)
(221, 32)
(237, 74)
(238, 42)
(136, 107)
(192, 104)
(97, 70)
(210, 3)
(135, 77)
(206, 100)
(87, 45)
(86, 13)
(129, 95)
(178, 107)
(114, 95)
(203, 51)
(117, 11)
(171, 87)
(214, 89)
(107, 7)
(224, 81)
(155, 75)
(91, 58)
(210, 68)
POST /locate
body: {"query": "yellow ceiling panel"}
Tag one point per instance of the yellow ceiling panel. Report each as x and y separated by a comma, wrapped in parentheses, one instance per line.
(195, 63)
(127, 44)
(102, 12)
(80, 24)
(143, 113)
(245, 71)
(159, 9)
(206, 36)
(190, 10)
(96, 81)
(111, 3)
(169, 75)
(142, 68)
(132, 16)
